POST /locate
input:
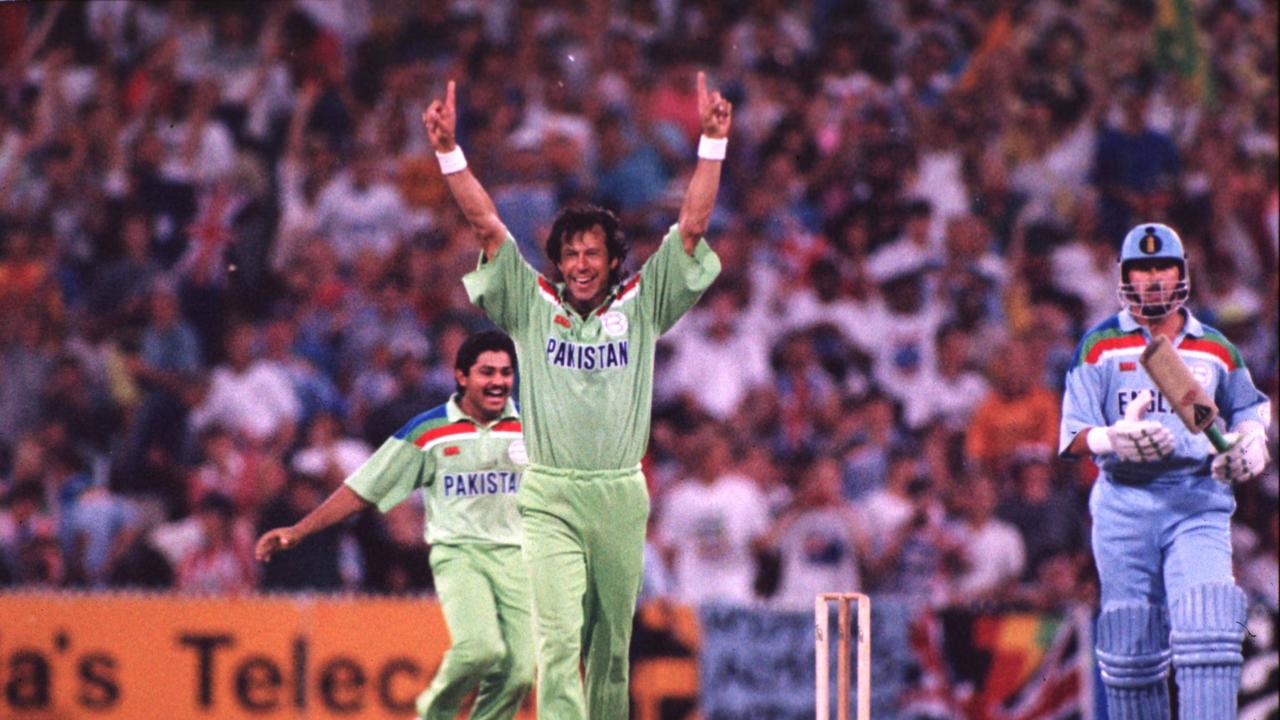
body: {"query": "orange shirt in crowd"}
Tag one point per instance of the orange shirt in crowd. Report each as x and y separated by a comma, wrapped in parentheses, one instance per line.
(1002, 425)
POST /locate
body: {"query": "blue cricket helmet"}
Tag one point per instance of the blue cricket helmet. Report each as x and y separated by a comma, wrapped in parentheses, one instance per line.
(1145, 242)
(1153, 241)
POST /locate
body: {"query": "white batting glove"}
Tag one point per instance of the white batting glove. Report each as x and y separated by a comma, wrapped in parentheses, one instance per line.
(1245, 458)
(1133, 439)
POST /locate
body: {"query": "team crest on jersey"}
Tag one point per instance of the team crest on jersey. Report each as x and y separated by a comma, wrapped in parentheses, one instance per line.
(517, 452)
(614, 323)
(1202, 375)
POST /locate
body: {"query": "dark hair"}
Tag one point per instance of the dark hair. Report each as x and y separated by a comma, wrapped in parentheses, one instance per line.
(29, 490)
(216, 502)
(579, 219)
(487, 341)
(918, 486)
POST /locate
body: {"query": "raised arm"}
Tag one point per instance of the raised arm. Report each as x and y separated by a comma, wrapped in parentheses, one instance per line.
(700, 198)
(441, 121)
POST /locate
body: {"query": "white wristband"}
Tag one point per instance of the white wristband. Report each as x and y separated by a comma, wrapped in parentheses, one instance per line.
(1099, 441)
(452, 161)
(712, 148)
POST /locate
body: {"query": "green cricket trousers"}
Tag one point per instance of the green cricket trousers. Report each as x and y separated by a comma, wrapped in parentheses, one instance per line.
(584, 548)
(484, 593)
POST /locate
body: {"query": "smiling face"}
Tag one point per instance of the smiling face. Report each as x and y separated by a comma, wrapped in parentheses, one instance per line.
(486, 385)
(586, 266)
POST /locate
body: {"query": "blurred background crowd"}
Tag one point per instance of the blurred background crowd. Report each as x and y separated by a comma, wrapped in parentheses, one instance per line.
(229, 268)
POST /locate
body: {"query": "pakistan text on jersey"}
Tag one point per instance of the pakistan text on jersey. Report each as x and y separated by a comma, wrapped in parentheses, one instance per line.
(486, 482)
(587, 357)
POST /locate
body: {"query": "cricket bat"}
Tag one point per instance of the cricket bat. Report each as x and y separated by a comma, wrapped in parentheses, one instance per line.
(1173, 379)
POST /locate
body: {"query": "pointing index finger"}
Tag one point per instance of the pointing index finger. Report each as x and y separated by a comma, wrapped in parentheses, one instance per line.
(448, 94)
(702, 87)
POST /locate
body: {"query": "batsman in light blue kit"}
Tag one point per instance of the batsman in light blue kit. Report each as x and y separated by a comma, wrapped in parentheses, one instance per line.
(1163, 500)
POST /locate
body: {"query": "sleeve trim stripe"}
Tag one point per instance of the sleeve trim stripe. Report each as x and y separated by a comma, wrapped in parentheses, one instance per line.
(1108, 345)
(454, 430)
(432, 418)
(629, 290)
(1209, 348)
(548, 291)
(453, 437)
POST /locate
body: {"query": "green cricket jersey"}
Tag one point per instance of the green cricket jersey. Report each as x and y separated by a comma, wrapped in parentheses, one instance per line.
(587, 383)
(468, 472)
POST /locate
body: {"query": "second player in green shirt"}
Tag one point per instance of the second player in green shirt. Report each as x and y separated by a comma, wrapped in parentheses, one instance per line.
(466, 457)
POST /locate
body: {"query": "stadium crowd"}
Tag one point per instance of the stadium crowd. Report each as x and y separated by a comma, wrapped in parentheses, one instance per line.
(229, 267)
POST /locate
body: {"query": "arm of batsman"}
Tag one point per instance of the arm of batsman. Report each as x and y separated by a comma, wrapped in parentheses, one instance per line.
(1136, 440)
(1245, 458)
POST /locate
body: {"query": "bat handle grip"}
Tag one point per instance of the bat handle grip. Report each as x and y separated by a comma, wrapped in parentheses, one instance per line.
(1219, 443)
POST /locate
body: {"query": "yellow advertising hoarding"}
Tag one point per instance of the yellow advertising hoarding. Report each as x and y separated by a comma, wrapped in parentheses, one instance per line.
(135, 656)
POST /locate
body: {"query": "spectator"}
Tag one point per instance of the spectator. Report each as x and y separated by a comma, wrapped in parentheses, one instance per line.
(313, 565)
(169, 344)
(951, 392)
(22, 526)
(118, 293)
(408, 395)
(1258, 572)
(103, 527)
(1019, 413)
(315, 391)
(992, 550)
(70, 399)
(1045, 511)
(631, 174)
(709, 523)
(225, 469)
(26, 269)
(308, 164)
(329, 455)
(803, 385)
(1135, 166)
(254, 400)
(713, 337)
(821, 540)
(383, 318)
(871, 449)
(222, 560)
(360, 212)
(886, 509)
(898, 333)
(920, 553)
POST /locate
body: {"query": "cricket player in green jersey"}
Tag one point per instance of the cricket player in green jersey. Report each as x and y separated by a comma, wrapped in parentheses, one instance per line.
(586, 347)
(466, 456)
